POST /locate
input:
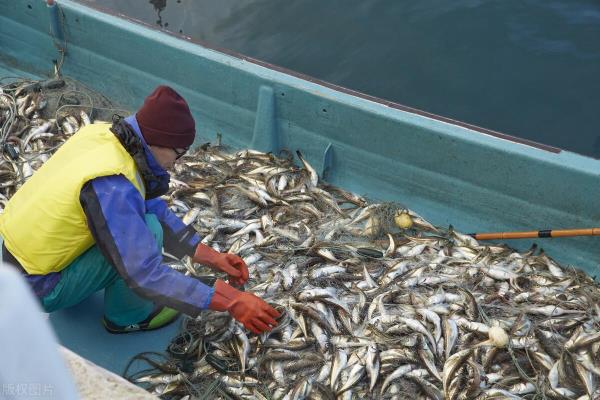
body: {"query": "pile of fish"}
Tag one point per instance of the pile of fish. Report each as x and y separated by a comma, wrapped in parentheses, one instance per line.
(36, 118)
(375, 301)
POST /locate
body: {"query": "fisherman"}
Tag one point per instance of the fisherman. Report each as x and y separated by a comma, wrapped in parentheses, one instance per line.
(91, 218)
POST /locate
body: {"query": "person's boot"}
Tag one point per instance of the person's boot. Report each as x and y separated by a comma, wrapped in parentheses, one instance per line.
(161, 316)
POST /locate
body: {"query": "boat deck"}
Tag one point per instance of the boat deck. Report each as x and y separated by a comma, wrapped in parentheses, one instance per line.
(80, 329)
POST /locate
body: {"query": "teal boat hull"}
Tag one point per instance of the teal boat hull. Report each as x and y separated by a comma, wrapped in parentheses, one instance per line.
(449, 172)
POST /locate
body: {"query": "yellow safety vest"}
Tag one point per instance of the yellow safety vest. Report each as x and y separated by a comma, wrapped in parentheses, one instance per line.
(43, 224)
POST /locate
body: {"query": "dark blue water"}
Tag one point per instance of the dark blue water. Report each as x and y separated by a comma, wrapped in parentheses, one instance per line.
(529, 68)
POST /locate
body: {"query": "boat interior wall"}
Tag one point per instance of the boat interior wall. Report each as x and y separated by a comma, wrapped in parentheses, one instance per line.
(448, 173)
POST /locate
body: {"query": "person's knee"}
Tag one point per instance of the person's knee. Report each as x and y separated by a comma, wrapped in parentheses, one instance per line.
(155, 227)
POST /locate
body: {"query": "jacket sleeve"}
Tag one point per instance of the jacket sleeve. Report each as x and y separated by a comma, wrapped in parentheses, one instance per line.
(179, 239)
(115, 213)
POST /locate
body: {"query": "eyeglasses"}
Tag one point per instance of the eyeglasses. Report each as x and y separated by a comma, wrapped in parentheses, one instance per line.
(179, 153)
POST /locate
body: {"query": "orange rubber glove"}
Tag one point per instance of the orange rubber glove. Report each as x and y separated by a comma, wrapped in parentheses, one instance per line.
(253, 312)
(231, 264)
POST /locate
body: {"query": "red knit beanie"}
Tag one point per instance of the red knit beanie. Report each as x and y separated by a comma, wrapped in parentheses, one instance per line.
(165, 119)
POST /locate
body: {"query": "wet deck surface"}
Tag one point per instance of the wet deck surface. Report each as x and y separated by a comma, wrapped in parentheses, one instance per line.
(80, 329)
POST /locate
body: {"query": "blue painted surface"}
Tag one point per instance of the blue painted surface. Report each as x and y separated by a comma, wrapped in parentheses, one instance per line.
(80, 329)
(448, 173)
(56, 29)
(265, 136)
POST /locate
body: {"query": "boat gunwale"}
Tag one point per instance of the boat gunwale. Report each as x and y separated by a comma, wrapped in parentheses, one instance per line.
(329, 85)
